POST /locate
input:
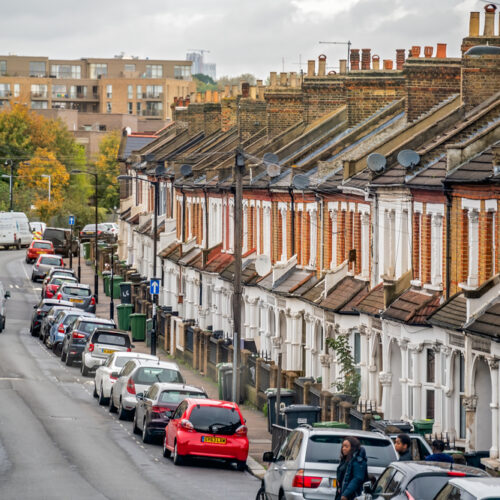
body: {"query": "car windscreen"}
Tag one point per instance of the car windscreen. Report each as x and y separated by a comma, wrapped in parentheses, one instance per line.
(175, 397)
(76, 291)
(215, 419)
(89, 326)
(120, 361)
(427, 486)
(89, 227)
(62, 279)
(70, 318)
(148, 375)
(325, 448)
(114, 339)
(50, 261)
(54, 235)
(41, 244)
(46, 307)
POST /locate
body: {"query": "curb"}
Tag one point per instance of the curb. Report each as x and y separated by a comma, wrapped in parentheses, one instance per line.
(255, 468)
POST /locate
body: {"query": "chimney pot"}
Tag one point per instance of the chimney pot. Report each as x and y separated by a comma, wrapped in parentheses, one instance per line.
(253, 92)
(365, 58)
(400, 58)
(311, 66)
(208, 96)
(245, 89)
(215, 96)
(343, 66)
(474, 24)
(260, 83)
(489, 19)
(227, 90)
(376, 62)
(354, 59)
(283, 79)
(428, 50)
(415, 51)
(273, 76)
(322, 65)
(293, 79)
(388, 63)
(235, 89)
(441, 51)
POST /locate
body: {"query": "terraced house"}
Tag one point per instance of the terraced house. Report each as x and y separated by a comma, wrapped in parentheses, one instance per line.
(377, 220)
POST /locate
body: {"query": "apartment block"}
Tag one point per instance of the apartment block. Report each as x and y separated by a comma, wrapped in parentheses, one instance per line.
(141, 87)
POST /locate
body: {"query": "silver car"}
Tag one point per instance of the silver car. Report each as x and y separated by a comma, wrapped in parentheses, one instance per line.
(306, 464)
(80, 295)
(471, 488)
(44, 264)
(137, 376)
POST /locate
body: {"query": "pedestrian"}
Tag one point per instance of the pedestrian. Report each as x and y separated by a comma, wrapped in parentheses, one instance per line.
(437, 453)
(403, 447)
(352, 471)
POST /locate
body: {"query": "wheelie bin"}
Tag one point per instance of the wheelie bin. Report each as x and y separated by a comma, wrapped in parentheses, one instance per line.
(124, 312)
(138, 326)
(115, 287)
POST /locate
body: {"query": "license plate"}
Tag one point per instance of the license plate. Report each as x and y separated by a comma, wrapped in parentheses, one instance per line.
(213, 440)
(108, 351)
(78, 301)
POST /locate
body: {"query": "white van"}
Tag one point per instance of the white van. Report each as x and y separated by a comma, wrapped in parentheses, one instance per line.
(38, 227)
(14, 230)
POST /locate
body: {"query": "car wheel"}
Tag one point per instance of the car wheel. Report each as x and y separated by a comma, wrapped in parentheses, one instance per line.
(69, 360)
(166, 451)
(135, 428)
(102, 400)
(123, 414)
(146, 436)
(261, 494)
(63, 356)
(95, 392)
(84, 370)
(112, 407)
(241, 465)
(56, 349)
(178, 459)
(18, 244)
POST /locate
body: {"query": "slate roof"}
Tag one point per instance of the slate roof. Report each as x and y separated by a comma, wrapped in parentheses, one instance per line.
(289, 283)
(373, 303)
(487, 324)
(315, 292)
(135, 143)
(477, 169)
(343, 293)
(249, 275)
(452, 314)
(412, 307)
(168, 250)
(219, 263)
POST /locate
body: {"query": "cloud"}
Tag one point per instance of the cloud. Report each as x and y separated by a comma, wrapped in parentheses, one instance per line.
(242, 37)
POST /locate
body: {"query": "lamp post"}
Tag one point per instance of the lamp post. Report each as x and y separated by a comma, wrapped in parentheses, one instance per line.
(11, 164)
(96, 275)
(154, 183)
(48, 176)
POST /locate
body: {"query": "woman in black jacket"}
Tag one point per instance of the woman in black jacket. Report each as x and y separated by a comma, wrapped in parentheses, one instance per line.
(352, 471)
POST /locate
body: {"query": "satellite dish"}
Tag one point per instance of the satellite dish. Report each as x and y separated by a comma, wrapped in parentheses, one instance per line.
(186, 170)
(376, 162)
(263, 265)
(270, 158)
(160, 169)
(408, 158)
(300, 182)
(272, 162)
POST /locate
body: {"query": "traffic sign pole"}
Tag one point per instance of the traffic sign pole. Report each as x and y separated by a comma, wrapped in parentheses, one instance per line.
(71, 223)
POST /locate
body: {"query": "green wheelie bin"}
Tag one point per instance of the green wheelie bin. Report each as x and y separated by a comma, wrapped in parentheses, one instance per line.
(138, 326)
(116, 286)
(124, 312)
(423, 426)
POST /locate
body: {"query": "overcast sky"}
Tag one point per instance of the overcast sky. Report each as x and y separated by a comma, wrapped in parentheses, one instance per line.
(252, 36)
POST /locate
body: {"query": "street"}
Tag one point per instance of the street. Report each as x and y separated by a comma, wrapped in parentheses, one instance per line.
(57, 443)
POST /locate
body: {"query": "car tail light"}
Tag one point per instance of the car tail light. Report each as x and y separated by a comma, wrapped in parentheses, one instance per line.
(301, 481)
(91, 347)
(409, 495)
(77, 335)
(92, 301)
(241, 430)
(186, 424)
(99, 232)
(158, 410)
(131, 386)
(112, 377)
(59, 296)
(60, 328)
(129, 349)
(15, 236)
(456, 473)
(39, 311)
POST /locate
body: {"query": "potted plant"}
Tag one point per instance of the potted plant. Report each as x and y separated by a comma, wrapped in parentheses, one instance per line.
(348, 383)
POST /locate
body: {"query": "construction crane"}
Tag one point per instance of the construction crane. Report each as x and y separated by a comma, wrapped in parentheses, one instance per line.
(201, 51)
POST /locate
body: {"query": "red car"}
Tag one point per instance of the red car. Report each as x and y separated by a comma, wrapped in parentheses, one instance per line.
(49, 288)
(207, 428)
(36, 248)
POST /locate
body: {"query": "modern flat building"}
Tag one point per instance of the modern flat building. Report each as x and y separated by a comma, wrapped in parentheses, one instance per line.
(200, 66)
(141, 87)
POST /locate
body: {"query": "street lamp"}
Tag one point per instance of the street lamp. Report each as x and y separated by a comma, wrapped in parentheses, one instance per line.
(155, 183)
(48, 176)
(96, 276)
(11, 164)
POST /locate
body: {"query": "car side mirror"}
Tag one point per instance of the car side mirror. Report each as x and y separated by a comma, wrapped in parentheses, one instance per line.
(7, 294)
(35, 306)
(140, 396)
(367, 487)
(268, 456)
(132, 346)
(169, 413)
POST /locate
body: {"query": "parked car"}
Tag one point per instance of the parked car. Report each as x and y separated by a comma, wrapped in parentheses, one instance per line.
(80, 295)
(43, 264)
(207, 428)
(41, 310)
(156, 405)
(103, 233)
(49, 318)
(51, 286)
(58, 329)
(472, 488)
(4, 295)
(100, 344)
(76, 336)
(61, 271)
(38, 247)
(14, 230)
(137, 376)
(37, 229)
(422, 480)
(107, 374)
(307, 462)
(111, 227)
(61, 239)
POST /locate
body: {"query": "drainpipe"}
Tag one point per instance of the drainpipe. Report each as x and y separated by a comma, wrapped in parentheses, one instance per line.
(206, 217)
(172, 192)
(448, 241)
(292, 209)
(183, 231)
(321, 232)
(375, 252)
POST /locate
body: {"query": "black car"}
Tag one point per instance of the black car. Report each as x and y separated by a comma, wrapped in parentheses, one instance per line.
(417, 480)
(61, 239)
(76, 336)
(155, 406)
(41, 310)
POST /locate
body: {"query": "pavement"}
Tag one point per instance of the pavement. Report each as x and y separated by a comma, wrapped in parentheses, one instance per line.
(256, 421)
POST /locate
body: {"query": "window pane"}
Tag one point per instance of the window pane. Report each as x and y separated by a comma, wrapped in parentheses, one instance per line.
(430, 404)
(3, 68)
(129, 67)
(203, 417)
(37, 68)
(431, 364)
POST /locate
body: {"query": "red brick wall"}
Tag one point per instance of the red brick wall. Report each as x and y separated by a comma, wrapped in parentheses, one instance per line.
(341, 241)
(416, 245)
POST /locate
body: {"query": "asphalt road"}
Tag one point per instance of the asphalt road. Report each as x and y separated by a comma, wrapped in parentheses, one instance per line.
(57, 443)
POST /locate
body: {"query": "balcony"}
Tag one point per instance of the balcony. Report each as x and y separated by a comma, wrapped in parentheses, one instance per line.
(152, 112)
(153, 95)
(5, 94)
(39, 95)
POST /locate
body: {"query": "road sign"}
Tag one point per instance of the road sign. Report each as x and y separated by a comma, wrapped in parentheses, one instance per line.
(71, 221)
(154, 286)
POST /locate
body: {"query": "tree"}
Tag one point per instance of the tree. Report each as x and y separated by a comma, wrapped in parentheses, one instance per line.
(33, 174)
(236, 80)
(204, 83)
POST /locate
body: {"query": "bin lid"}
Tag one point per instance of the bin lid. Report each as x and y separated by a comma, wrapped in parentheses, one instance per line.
(124, 306)
(284, 392)
(106, 273)
(137, 315)
(301, 409)
(125, 283)
(425, 421)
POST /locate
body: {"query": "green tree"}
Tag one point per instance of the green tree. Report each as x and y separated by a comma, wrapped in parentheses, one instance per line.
(236, 80)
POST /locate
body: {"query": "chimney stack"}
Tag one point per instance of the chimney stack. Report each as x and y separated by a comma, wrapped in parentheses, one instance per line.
(489, 20)
(293, 79)
(253, 92)
(311, 66)
(198, 97)
(354, 59)
(441, 51)
(235, 90)
(208, 96)
(245, 89)
(343, 66)
(474, 24)
(273, 77)
(400, 58)
(215, 96)
(376, 62)
(365, 58)
(322, 65)
(283, 79)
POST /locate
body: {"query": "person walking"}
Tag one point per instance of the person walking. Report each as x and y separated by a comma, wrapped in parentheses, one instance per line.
(437, 453)
(352, 471)
(403, 447)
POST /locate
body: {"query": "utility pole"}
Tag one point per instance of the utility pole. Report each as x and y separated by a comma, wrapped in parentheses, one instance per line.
(155, 244)
(239, 169)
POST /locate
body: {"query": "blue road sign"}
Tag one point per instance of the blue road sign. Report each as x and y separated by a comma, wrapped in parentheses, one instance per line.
(154, 286)
(71, 221)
